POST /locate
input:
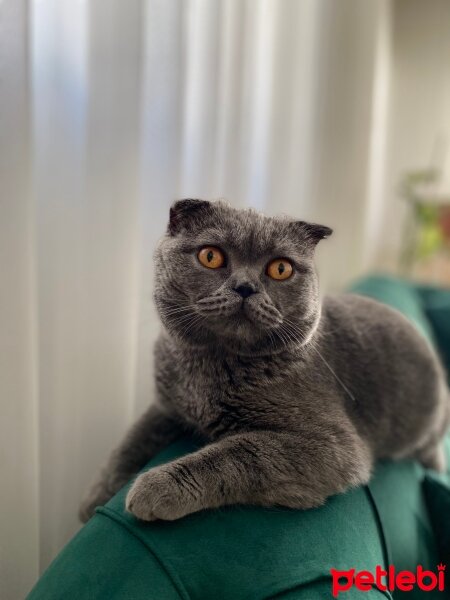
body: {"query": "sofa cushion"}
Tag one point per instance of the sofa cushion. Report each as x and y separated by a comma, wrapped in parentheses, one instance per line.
(398, 294)
(436, 304)
(437, 496)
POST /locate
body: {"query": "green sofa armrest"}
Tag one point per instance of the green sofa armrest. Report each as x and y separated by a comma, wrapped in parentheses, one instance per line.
(105, 561)
(246, 552)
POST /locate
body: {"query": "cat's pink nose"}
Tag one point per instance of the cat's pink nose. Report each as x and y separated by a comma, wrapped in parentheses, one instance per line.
(245, 290)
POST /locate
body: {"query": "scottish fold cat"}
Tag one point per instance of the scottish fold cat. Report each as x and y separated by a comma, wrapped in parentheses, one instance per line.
(296, 399)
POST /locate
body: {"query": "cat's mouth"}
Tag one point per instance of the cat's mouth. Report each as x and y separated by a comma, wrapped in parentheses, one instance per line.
(230, 310)
(242, 314)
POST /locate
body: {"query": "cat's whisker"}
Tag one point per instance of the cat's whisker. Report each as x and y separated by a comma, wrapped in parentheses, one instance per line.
(271, 339)
(173, 311)
(342, 384)
(183, 319)
(299, 332)
(293, 338)
(326, 363)
(176, 313)
(179, 319)
(286, 333)
(194, 321)
(296, 334)
(300, 336)
(280, 334)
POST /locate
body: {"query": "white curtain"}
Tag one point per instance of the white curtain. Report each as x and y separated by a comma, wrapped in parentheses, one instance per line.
(109, 111)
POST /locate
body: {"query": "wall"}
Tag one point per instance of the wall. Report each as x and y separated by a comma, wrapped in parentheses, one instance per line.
(419, 113)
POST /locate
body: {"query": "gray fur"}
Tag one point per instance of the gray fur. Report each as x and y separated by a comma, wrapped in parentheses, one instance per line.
(296, 400)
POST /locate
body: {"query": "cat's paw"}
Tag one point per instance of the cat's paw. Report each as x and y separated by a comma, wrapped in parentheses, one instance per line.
(156, 494)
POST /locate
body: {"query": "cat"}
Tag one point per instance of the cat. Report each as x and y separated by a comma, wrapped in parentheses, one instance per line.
(295, 398)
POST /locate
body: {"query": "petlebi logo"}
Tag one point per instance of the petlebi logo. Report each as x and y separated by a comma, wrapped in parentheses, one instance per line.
(388, 580)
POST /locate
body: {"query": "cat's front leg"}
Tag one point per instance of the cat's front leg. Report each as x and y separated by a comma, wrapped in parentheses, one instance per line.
(152, 432)
(263, 468)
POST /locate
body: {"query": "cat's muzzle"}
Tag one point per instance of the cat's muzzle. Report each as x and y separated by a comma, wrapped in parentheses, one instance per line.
(257, 308)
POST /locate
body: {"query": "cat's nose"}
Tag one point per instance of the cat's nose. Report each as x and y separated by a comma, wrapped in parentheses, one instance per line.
(245, 290)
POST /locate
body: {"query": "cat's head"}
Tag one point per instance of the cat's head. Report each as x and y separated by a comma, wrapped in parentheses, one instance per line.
(237, 279)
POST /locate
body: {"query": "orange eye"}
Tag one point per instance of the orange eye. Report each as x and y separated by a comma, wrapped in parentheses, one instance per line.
(211, 257)
(279, 269)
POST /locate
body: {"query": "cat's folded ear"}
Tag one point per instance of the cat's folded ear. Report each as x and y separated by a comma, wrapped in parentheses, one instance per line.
(185, 213)
(312, 232)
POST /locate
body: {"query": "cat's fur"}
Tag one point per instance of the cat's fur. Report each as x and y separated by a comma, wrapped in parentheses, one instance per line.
(296, 400)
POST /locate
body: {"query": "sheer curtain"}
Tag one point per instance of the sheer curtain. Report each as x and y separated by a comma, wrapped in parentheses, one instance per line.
(109, 111)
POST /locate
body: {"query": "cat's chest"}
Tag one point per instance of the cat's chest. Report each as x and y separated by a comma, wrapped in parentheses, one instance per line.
(230, 393)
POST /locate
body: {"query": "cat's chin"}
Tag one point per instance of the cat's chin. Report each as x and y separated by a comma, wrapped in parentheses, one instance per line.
(244, 337)
(261, 347)
(238, 331)
(236, 334)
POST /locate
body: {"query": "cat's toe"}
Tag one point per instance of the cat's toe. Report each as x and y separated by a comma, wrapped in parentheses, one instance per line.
(155, 495)
(137, 503)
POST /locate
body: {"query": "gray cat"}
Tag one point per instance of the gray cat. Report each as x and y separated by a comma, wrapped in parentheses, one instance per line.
(295, 399)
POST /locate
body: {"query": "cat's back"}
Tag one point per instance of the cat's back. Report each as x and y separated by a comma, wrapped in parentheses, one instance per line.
(375, 335)
(391, 369)
(366, 318)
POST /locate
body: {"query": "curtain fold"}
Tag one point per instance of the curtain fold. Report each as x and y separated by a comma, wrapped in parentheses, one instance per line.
(110, 111)
(19, 464)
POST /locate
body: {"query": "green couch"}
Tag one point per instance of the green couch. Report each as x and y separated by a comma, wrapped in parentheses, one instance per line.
(254, 553)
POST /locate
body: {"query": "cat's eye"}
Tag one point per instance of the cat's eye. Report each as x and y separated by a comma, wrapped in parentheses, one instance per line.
(280, 269)
(211, 257)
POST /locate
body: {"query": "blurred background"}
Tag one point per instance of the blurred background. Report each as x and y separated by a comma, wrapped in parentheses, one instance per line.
(337, 112)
